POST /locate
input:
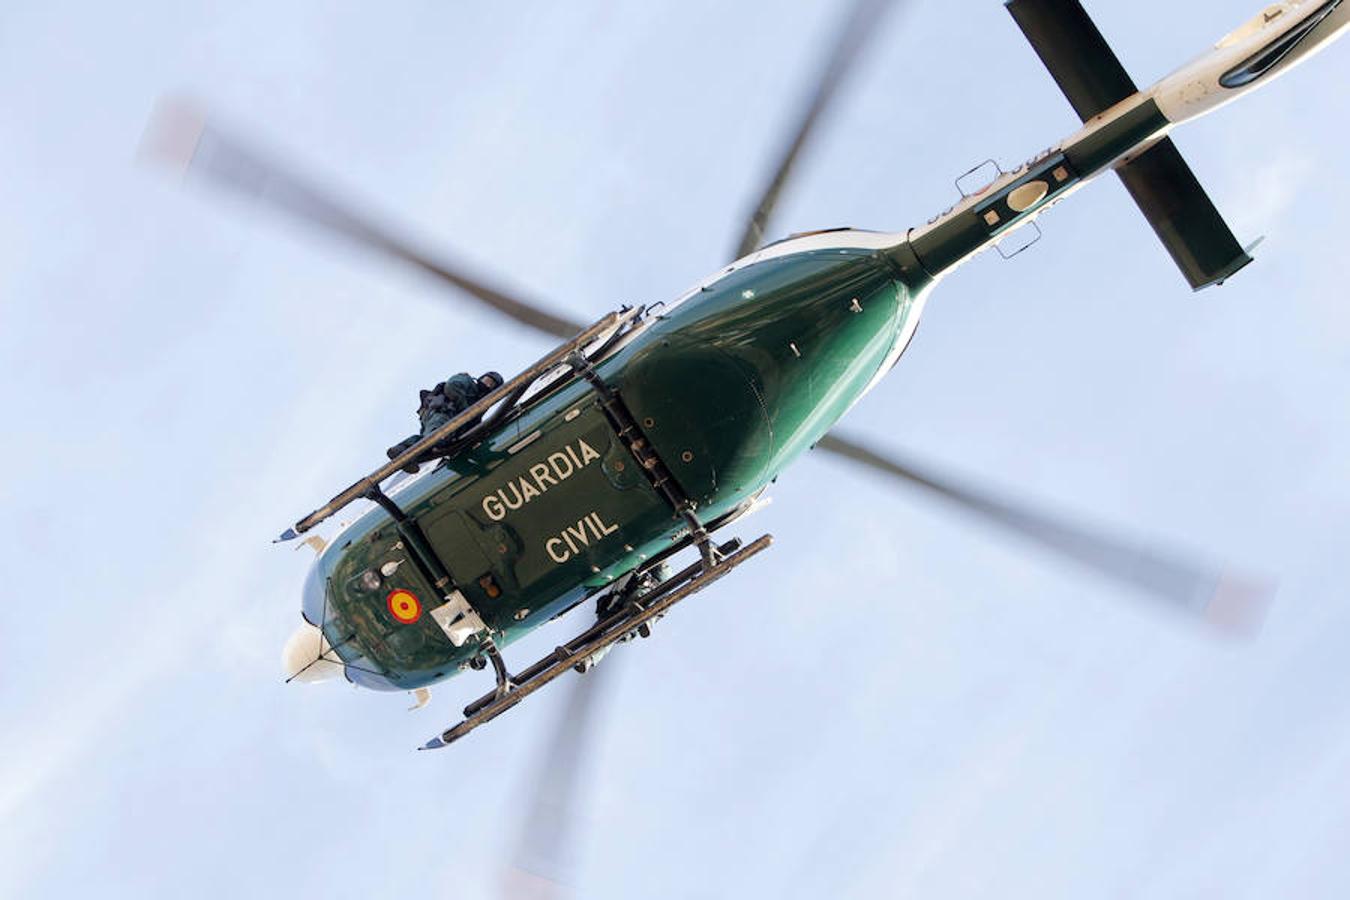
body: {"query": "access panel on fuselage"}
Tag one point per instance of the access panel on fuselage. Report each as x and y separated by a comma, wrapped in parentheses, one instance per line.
(561, 507)
(735, 382)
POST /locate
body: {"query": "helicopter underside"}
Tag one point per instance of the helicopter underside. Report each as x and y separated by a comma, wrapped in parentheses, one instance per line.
(679, 429)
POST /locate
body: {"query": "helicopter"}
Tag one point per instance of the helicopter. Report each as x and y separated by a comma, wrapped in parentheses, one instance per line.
(651, 430)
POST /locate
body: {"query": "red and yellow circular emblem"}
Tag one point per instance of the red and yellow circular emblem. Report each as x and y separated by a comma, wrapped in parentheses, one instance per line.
(404, 606)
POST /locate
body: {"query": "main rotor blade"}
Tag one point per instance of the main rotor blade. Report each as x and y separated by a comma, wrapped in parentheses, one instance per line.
(546, 845)
(864, 20)
(184, 138)
(1221, 600)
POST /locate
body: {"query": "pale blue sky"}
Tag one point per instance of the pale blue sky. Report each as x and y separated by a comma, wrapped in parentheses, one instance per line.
(894, 701)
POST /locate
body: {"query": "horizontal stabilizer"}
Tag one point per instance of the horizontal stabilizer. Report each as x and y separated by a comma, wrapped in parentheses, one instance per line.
(1071, 47)
(1185, 219)
(1167, 192)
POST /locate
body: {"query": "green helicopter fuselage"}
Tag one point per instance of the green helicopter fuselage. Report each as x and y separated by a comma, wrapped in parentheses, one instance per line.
(728, 386)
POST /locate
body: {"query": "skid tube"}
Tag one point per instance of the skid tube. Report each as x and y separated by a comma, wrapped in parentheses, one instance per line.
(512, 390)
(615, 627)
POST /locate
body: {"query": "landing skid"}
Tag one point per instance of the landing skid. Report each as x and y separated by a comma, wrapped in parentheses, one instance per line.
(512, 689)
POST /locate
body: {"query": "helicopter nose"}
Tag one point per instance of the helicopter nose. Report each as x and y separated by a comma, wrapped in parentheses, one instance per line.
(306, 656)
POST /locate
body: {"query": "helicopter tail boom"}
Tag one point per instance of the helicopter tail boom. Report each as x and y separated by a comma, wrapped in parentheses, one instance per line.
(1154, 172)
(1156, 175)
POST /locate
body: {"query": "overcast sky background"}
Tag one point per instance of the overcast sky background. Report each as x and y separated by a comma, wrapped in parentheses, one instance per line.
(894, 701)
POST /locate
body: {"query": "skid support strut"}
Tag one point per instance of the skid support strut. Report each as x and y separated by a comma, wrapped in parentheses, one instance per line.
(504, 682)
(601, 635)
(625, 425)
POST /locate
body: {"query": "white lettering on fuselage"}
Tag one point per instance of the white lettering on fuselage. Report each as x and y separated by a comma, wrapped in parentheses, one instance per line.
(548, 472)
(568, 543)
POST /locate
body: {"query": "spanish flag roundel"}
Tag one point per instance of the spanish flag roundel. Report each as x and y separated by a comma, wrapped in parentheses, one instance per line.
(404, 607)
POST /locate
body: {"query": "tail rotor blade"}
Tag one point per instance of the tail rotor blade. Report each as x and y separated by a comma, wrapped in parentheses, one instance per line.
(1228, 603)
(865, 20)
(184, 139)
